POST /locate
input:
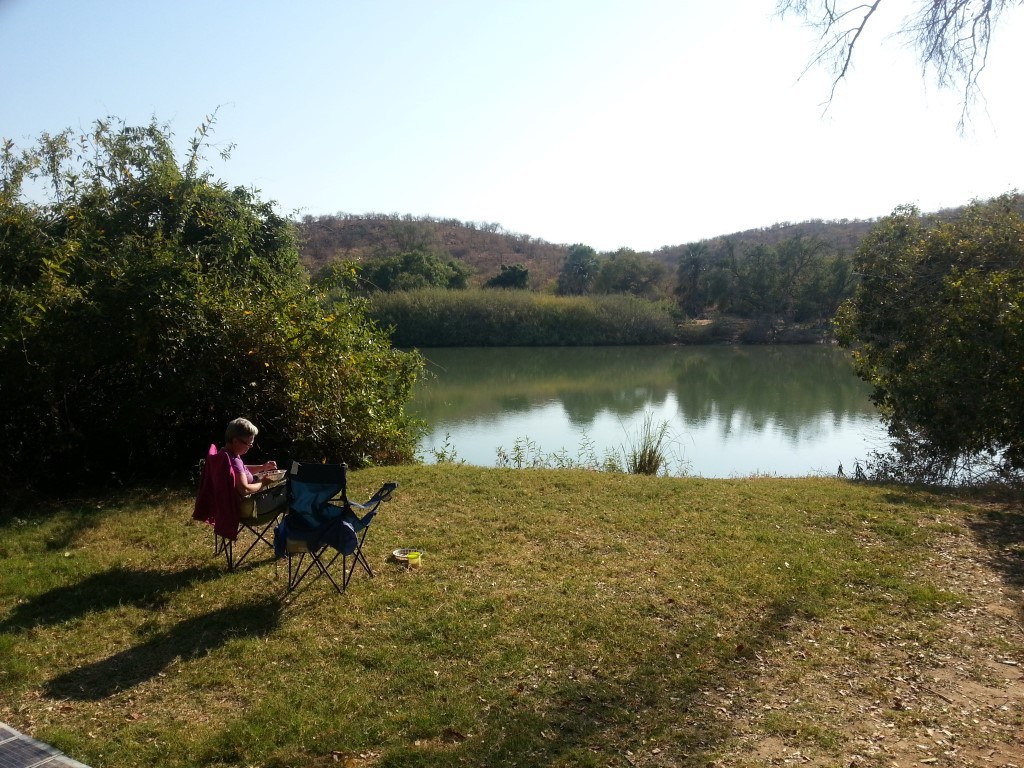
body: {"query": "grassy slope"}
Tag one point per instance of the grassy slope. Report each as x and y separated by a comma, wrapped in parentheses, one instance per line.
(560, 618)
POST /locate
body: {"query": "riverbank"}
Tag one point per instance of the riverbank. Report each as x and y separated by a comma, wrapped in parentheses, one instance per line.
(737, 330)
(560, 618)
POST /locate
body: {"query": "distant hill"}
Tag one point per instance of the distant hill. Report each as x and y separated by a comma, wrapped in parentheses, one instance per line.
(485, 247)
(843, 236)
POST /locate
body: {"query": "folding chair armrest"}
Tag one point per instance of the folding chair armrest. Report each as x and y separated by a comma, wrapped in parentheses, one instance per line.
(383, 494)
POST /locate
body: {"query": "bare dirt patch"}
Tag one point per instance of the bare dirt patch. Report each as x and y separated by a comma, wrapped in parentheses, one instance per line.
(947, 690)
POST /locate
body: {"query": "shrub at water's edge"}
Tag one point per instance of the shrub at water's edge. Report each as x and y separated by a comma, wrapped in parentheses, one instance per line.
(439, 318)
(145, 304)
(645, 452)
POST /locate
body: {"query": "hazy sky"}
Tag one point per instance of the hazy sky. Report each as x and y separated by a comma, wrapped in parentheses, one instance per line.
(636, 123)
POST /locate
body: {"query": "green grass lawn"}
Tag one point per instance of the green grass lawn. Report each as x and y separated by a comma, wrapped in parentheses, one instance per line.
(560, 618)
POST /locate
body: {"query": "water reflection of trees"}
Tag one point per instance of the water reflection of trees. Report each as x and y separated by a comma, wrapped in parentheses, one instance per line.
(787, 387)
(783, 386)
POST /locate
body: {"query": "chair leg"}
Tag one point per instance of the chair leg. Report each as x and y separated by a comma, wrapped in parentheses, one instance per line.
(296, 572)
(260, 534)
(357, 557)
(249, 549)
(294, 568)
(226, 547)
(318, 560)
(325, 570)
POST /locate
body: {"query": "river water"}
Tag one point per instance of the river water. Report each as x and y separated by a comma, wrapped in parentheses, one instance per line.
(730, 411)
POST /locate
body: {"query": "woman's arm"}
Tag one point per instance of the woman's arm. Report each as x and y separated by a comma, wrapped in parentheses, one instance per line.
(245, 483)
(244, 487)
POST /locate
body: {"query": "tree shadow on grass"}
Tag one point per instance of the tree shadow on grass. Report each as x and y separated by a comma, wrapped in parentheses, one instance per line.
(578, 721)
(1001, 532)
(997, 524)
(149, 589)
(59, 528)
(187, 640)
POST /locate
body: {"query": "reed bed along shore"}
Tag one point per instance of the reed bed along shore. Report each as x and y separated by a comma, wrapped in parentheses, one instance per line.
(500, 318)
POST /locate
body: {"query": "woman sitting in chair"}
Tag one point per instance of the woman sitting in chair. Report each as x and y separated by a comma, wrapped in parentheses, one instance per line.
(238, 439)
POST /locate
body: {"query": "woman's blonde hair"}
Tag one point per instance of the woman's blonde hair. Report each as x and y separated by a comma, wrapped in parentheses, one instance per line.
(240, 429)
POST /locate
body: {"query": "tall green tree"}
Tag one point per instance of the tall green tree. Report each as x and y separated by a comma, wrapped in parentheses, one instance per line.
(144, 304)
(578, 271)
(795, 280)
(937, 327)
(626, 271)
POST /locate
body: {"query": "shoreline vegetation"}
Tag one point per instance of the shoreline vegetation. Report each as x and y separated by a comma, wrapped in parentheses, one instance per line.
(435, 317)
(144, 290)
(561, 617)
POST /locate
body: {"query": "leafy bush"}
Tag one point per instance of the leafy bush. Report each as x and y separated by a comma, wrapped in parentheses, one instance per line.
(413, 270)
(145, 304)
(515, 276)
(626, 271)
(937, 325)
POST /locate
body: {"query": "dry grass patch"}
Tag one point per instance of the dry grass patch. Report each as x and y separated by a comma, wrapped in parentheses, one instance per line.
(561, 618)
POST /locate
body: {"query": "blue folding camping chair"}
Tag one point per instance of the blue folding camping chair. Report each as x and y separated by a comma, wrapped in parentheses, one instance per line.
(322, 526)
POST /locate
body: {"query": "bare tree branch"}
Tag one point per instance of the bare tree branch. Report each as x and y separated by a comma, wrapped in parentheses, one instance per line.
(952, 37)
